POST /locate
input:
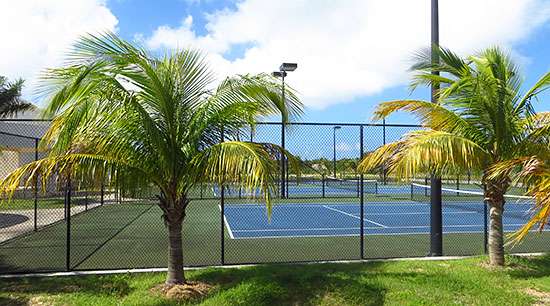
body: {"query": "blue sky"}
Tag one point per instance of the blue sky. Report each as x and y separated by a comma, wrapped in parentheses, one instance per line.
(351, 54)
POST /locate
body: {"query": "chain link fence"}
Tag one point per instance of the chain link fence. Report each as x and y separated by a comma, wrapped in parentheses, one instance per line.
(327, 212)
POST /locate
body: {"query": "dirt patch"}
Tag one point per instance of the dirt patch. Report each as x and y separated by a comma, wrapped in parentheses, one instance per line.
(416, 269)
(544, 297)
(189, 291)
(42, 300)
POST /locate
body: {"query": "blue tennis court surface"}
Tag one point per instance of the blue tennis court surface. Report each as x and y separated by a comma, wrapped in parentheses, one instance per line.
(344, 219)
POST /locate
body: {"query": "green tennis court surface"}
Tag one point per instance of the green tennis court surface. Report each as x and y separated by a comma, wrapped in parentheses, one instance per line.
(132, 235)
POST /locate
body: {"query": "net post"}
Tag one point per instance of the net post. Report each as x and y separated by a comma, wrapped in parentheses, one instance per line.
(412, 191)
(361, 195)
(426, 184)
(457, 182)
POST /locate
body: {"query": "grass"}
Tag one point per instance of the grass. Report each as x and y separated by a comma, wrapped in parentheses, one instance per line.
(524, 281)
(42, 203)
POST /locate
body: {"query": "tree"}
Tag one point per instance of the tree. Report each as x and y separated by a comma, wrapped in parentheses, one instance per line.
(480, 119)
(10, 98)
(140, 120)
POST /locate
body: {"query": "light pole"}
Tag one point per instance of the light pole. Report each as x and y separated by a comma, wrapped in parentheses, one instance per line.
(334, 146)
(282, 74)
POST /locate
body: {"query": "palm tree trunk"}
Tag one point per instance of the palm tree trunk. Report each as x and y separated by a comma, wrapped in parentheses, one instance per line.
(496, 189)
(496, 236)
(175, 255)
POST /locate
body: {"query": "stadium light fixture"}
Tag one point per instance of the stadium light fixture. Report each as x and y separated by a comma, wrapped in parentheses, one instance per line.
(282, 74)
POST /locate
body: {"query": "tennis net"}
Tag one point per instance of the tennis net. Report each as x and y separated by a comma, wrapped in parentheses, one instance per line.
(517, 207)
(352, 185)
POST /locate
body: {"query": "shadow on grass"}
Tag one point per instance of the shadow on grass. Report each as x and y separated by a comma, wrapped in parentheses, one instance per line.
(529, 267)
(108, 286)
(296, 284)
(6, 301)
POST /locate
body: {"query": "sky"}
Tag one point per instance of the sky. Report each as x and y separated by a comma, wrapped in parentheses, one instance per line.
(351, 54)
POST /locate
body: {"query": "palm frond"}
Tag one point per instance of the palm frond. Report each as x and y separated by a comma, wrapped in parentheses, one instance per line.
(244, 164)
(427, 151)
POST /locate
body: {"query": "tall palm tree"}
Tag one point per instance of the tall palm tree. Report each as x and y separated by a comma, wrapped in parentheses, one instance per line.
(481, 118)
(141, 120)
(10, 98)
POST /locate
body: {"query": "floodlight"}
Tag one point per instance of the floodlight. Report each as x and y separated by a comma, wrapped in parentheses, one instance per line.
(288, 67)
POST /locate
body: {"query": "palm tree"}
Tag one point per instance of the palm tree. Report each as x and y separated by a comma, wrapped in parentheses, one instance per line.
(140, 120)
(481, 118)
(10, 98)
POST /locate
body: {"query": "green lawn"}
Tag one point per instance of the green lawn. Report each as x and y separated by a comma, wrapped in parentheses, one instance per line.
(524, 281)
(43, 203)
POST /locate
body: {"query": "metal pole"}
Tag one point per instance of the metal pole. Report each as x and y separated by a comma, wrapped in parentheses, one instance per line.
(436, 224)
(457, 182)
(102, 192)
(68, 219)
(323, 184)
(86, 196)
(334, 151)
(36, 188)
(283, 143)
(222, 214)
(485, 227)
(384, 143)
(361, 193)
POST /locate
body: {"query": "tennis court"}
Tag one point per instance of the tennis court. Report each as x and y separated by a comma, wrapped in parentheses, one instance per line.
(344, 219)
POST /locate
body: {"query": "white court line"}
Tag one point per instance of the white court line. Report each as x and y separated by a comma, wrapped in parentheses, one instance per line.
(227, 224)
(351, 215)
(421, 213)
(366, 234)
(366, 228)
(309, 205)
(299, 229)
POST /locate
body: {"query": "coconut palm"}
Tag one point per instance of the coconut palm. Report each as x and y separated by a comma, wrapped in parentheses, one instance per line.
(10, 98)
(481, 118)
(139, 120)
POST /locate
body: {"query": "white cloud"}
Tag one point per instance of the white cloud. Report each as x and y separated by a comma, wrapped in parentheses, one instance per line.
(37, 34)
(348, 49)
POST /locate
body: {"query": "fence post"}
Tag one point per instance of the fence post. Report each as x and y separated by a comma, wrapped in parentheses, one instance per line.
(323, 184)
(68, 220)
(86, 195)
(35, 188)
(436, 224)
(102, 191)
(485, 240)
(384, 143)
(222, 214)
(362, 200)
(283, 161)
